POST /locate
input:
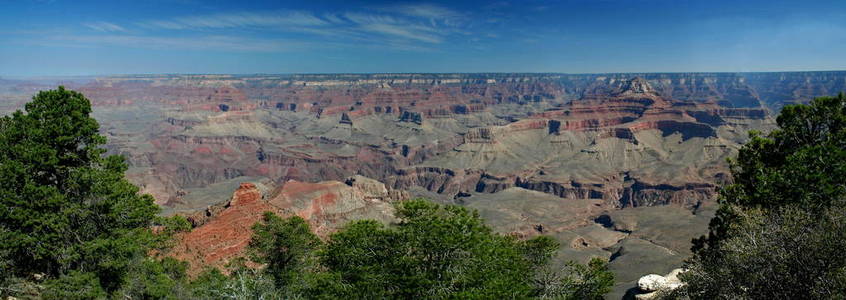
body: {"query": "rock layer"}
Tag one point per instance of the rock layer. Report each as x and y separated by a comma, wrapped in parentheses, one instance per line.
(185, 132)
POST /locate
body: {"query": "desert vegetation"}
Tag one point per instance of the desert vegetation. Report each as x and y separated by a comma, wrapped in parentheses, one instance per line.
(780, 228)
(435, 252)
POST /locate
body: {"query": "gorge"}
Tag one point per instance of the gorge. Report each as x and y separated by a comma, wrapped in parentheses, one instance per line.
(619, 166)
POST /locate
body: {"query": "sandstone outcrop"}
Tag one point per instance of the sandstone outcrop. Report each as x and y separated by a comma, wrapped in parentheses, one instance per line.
(223, 233)
(330, 204)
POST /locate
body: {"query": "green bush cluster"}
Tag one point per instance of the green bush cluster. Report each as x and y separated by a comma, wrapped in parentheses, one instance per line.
(434, 252)
(782, 222)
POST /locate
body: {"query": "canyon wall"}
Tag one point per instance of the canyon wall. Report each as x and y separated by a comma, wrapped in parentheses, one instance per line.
(628, 139)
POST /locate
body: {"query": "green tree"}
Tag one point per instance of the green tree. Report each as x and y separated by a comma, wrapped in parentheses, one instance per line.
(782, 217)
(434, 252)
(209, 284)
(574, 281)
(285, 245)
(591, 281)
(67, 210)
(789, 254)
(151, 278)
(74, 285)
(802, 163)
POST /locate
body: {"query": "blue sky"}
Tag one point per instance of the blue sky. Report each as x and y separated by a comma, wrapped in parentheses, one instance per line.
(59, 37)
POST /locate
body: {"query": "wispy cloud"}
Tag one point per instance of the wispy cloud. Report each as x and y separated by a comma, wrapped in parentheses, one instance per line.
(237, 20)
(410, 27)
(105, 27)
(397, 28)
(429, 11)
(403, 32)
(400, 24)
(215, 42)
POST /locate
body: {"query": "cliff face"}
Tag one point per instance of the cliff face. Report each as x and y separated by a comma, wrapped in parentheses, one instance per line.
(225, 234)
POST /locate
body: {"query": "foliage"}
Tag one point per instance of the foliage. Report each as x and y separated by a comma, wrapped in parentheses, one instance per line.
(434, 252)
(243, 283)
(208, 284)
(287, 247)
(165, 228)
(803, 163)
(587, 282)
(782, 217)
(149, 278)
(68, 214)
(538, 250)
(284, 245)
(74, 285)
(576, 281)
(768, 253)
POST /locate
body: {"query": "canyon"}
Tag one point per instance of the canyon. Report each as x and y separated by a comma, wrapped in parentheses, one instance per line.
(620, 166)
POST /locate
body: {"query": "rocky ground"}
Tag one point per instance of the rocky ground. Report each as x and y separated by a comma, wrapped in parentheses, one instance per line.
(619, 166)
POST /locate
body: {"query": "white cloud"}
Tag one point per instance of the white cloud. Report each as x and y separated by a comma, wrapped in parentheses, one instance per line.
(333, 18)
(403, 22)
(361, 18)
(429, 11)
(208, 43)
(105, 27)
(409, 27)
(398, 27)
(408, 32)
(239, 20)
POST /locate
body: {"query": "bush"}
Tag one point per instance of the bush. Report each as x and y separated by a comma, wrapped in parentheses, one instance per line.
(434, 252)
(780, 225)
(74, 285)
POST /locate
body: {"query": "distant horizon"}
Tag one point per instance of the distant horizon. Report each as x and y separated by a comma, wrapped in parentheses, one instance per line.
(101, 38)
(15, 77)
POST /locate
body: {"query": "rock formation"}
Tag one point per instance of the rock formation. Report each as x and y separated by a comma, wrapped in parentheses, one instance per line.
(225, 233)
(653, 285)
(191, 131)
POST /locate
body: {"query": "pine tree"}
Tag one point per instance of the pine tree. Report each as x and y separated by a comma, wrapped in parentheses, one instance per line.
(65, 208)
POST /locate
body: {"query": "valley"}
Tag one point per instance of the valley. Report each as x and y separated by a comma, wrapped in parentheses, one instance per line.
(619, 166)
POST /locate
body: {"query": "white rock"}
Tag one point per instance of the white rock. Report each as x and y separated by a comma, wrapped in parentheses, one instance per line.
(651, 283)
(673, 281)
(674, 275)
(647, 296)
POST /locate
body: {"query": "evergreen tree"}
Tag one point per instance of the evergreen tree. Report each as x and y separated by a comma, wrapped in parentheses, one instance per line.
(433, 252)
(800, 164)
(65, 209)
(780, 223)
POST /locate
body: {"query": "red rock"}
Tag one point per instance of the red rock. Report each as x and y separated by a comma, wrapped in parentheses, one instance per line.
(226, 235)
(326, 205)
